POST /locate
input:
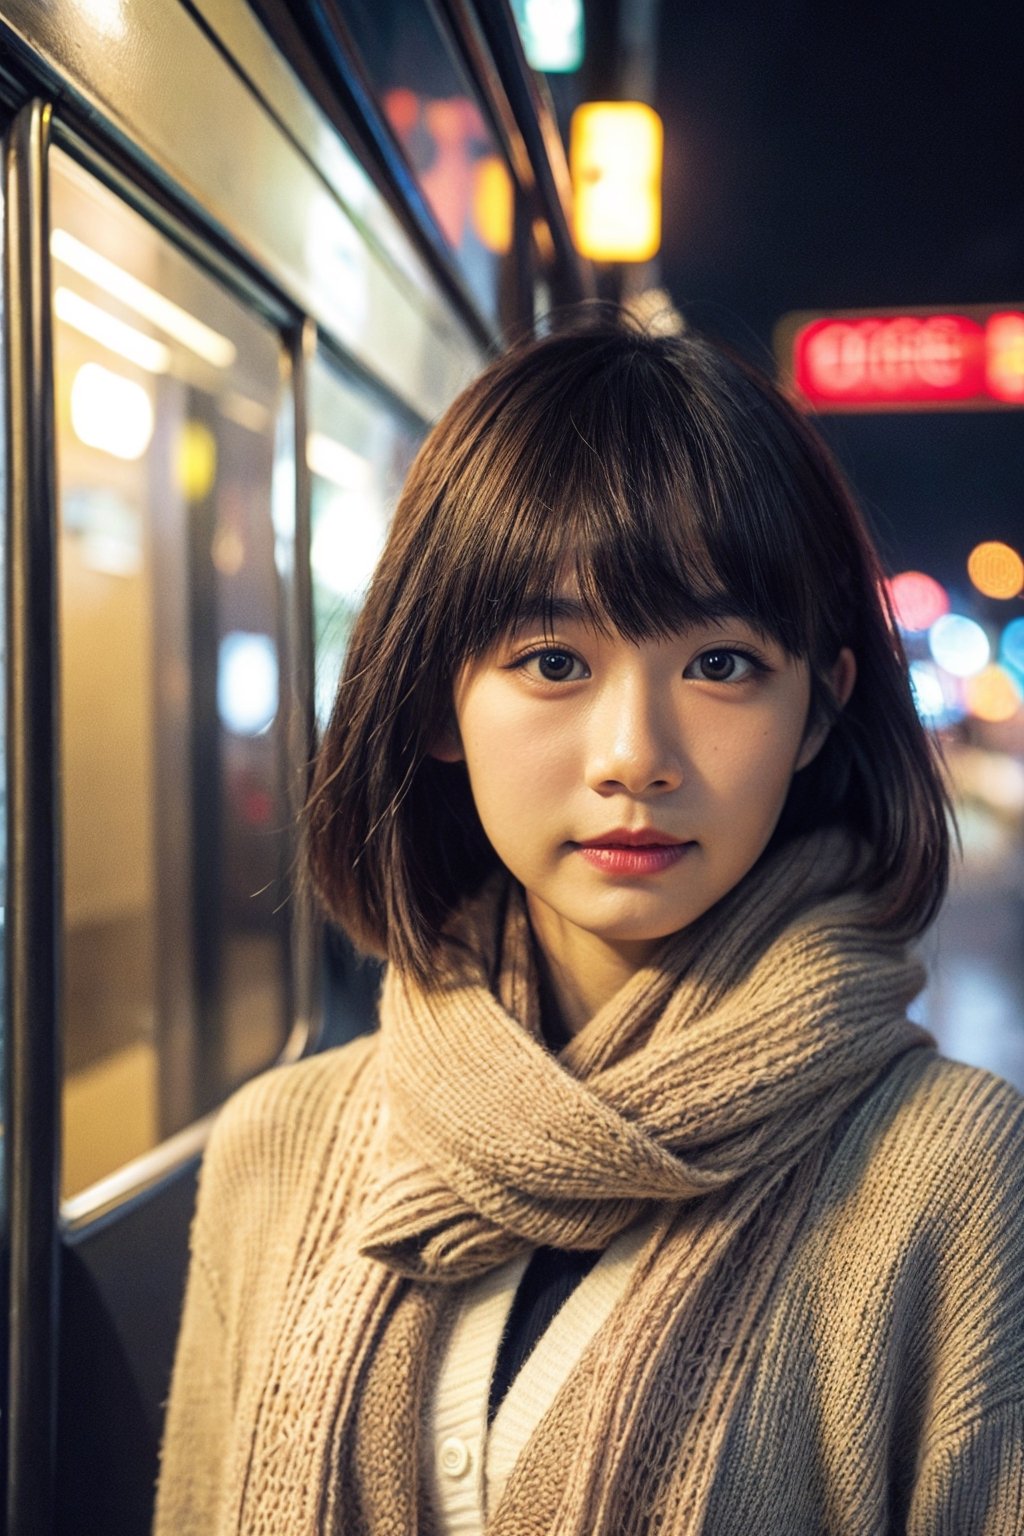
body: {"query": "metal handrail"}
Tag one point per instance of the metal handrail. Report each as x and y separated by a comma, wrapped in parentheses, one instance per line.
(32, 1110)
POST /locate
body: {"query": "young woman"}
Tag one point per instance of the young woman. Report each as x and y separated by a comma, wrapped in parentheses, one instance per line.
(647, 1209)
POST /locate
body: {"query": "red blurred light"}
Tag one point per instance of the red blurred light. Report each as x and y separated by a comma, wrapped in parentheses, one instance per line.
(257, 807)
(918, 359)
(917, 600)
(900, 359)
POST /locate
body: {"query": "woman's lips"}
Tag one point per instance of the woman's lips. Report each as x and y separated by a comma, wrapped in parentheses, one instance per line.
(620, 859)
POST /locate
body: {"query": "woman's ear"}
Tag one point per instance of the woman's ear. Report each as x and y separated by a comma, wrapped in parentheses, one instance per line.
(841, 678)
(446, 746)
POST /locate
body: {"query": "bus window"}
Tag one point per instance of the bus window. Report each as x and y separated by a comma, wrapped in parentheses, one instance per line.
(176, 840)
(358, 451)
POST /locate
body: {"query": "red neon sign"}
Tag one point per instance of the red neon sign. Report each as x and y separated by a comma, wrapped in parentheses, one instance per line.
(922, 360)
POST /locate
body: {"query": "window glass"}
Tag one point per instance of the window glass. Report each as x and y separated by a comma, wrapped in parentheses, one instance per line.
(175, 820)
(358, 451)
(438, 119)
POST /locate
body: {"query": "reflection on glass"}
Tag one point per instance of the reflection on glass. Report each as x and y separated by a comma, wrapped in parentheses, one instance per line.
(437, 118)
(174, 811)
(358, 453)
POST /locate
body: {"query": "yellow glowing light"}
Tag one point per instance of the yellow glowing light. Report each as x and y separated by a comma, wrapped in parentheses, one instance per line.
(492, 205)
(163, 312)
(99, 325)
(615, 153)
(110, 412)
(996, 569)
(196, 461)
(993, 695)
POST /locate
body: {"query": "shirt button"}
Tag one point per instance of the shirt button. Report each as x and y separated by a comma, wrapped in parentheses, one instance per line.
(455, 1457)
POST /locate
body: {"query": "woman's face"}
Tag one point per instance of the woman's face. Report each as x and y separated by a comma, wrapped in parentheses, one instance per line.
(629, 786)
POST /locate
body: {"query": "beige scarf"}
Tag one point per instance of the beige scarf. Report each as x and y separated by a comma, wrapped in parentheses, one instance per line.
(708, 1090)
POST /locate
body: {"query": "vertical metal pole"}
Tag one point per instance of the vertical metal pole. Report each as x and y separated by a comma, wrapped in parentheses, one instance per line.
(32, 1110)
(300, 663)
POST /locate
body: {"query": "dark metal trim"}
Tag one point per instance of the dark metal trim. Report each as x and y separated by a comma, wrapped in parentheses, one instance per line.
(33, 829)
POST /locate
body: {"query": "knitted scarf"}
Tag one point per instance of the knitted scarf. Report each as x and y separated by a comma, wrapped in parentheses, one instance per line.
(708, 1092)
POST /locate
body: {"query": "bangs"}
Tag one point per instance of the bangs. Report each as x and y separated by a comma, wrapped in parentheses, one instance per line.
(613, 487)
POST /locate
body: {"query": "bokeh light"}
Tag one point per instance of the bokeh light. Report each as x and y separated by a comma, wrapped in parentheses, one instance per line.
(959, 644)
(1011, 646)
(929, 696)
(993, 695)
(615, 154)
(348, 536)
(493, 205)
(196, 461)
(111, 412)
(247, 682)
(917, 600)
(552, 32)
(1004, 362)
(996, 569)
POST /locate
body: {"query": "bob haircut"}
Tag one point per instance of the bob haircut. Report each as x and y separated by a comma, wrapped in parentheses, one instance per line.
(677, 485)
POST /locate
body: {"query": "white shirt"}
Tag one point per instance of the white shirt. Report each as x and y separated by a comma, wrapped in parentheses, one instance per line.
(468, 1464)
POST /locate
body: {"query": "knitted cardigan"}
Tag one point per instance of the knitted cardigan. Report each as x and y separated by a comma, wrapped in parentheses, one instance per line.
(889, 1393)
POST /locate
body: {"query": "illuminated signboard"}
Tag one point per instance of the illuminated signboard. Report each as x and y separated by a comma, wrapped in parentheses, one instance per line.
(615, 150)
(913, 359)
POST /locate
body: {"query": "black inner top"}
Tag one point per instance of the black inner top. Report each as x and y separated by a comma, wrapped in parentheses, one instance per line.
(551, 1276)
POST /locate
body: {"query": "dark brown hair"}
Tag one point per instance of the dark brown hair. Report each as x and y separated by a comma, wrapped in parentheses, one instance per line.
(677, 485)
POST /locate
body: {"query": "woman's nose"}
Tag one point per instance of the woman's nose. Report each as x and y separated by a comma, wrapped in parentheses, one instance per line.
(634, 743)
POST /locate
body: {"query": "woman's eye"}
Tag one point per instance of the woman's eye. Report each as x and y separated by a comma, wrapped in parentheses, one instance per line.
(721, 666)
(556, 666)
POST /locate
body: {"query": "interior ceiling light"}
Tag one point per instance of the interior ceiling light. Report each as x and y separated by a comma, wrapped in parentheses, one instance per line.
(174, 321)
(99, 325)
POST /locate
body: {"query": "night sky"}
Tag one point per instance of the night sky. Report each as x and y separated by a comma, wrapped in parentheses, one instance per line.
(834, 156)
